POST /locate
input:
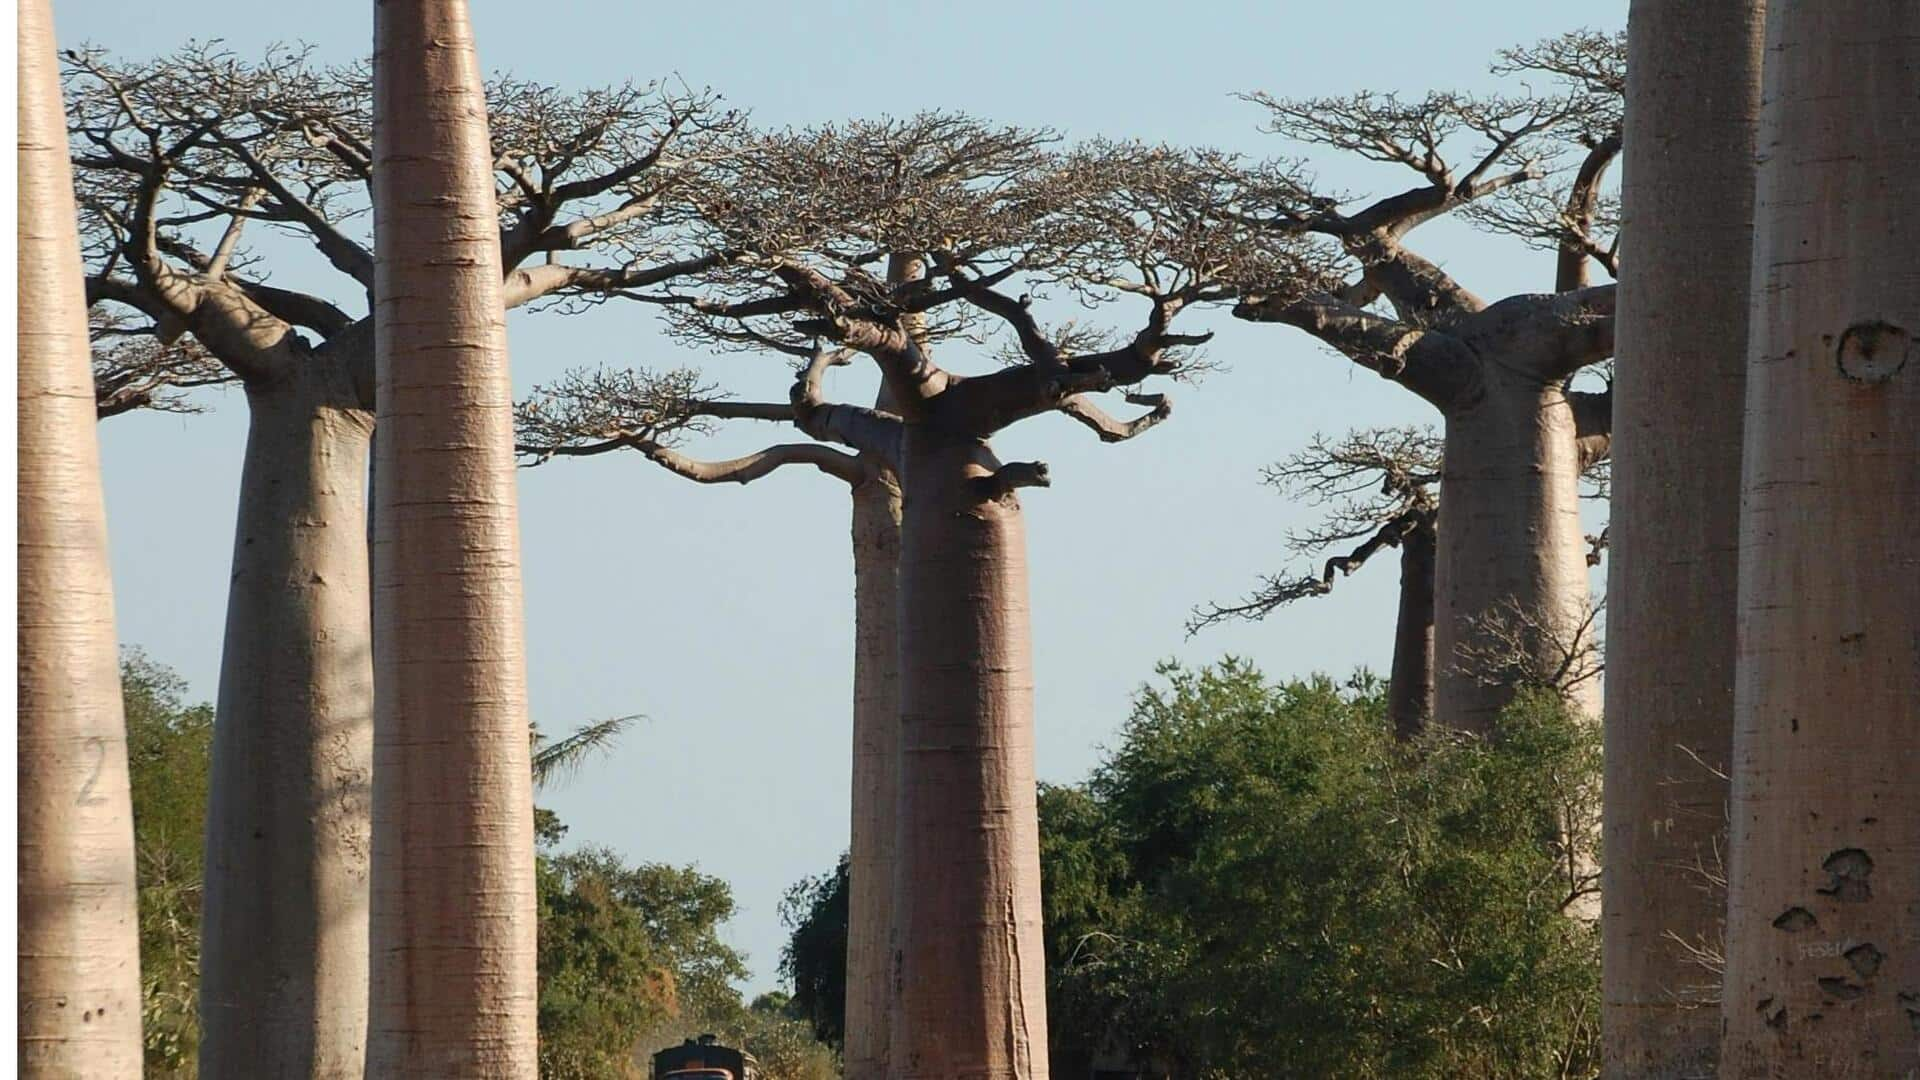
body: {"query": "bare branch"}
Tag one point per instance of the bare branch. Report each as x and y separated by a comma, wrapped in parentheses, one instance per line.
(1276, 592)
(1111, 430)
(1512, 646)
(1012, 476)
(1429, 362)
(1379, 487)
(134, 369)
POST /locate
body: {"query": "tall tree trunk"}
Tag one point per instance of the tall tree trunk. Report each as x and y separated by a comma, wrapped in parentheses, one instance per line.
(1410, 685)
(1693, 98)
(876, 753)
(968, 976)
(79, 968)
(1823, 972)
(1509, 548)
(453, 982)
(283, 988)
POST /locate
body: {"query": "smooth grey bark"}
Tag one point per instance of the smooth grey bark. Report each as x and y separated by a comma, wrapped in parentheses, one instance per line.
(969, 970)
(1693, 100)
(283, 987)
(876, 753)
(1823, 914)
(77, 955)
(1509, 542)
(453, 986)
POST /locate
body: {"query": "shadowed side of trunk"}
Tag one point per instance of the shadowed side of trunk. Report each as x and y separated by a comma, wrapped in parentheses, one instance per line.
(79, 972)
(452, 928)
(876, 753)
(1822, 969)
(1509, 548)
(1693, 89)
(968, 971)
(1410, 686)
(283, 987)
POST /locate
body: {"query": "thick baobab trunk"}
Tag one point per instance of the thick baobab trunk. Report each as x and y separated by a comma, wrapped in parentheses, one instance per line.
(1693, 96)
(452, 928)
(1410, 685)
(876, 753)
(968, 974)
(79, 966)
(1823, 972)
(283, 989)
(1510, 551)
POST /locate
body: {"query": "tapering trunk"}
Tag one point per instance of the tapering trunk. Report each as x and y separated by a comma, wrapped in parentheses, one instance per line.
(876, 752)
(453, 983)
(1823, 972)
(1679, 391)
(968, 974)
(283, 984)
(79, 969)
(1510, 550)
(1410, 684)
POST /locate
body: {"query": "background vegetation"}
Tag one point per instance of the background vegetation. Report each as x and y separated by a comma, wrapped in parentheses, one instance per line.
(1260, 880)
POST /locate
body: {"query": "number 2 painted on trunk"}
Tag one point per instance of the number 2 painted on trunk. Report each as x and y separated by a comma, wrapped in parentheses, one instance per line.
(87, 796)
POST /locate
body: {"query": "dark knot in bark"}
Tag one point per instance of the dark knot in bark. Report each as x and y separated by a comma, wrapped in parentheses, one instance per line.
(1873, 352)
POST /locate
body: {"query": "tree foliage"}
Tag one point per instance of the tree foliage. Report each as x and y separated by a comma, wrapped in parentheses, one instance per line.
(1277, 884)
(814, 961)
(627, 952)
(623, 948)
(168, 747)
(1260, 880)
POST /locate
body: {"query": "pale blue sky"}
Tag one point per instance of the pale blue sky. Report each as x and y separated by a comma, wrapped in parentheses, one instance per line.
(724, 614)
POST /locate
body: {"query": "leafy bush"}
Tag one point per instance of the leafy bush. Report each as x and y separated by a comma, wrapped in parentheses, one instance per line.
(1262, 881)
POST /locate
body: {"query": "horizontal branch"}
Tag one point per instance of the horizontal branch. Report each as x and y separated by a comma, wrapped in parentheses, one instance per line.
(1110, 429)
(1430, 363)
(740, 470)
(526, 284)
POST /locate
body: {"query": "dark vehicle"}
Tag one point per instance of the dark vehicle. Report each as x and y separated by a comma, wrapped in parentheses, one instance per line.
(704, 1059)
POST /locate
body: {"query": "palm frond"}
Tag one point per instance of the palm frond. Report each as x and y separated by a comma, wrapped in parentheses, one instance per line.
(556, 760)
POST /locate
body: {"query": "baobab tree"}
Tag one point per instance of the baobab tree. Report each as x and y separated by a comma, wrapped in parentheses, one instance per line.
(79, 968)
(1380, 490)
(452, 931)
(184, 162)
(1822, 976)
(1516, 433)
(588, 413)
(1693, 93)
(1378, 486)
(599, 412)
(817, 214)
